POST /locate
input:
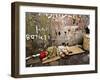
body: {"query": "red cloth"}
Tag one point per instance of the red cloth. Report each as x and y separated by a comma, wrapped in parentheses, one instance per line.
(42, 54)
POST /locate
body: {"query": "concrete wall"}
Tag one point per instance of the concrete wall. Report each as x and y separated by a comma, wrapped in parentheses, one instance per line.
(69, 28)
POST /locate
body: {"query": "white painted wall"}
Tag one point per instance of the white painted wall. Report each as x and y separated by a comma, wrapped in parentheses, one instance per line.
(5, 41)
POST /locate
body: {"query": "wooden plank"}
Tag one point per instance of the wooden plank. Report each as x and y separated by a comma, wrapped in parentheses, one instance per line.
(52, 59)
(74, 50)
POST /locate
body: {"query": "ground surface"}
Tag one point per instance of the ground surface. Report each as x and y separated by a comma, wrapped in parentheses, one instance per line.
(82, 58)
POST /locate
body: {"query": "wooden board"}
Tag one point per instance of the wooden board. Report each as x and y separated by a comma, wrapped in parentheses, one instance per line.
(73, 49)
(51, 59)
